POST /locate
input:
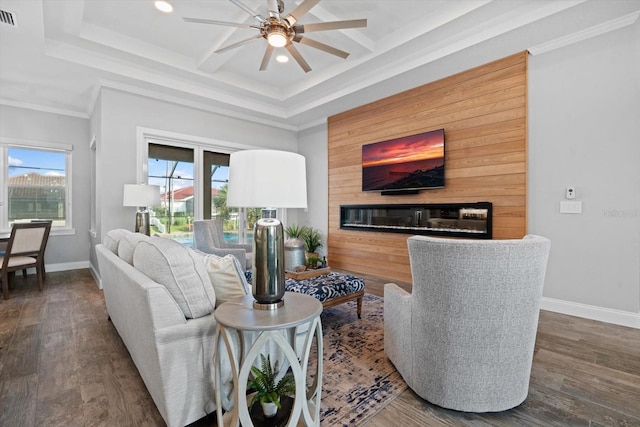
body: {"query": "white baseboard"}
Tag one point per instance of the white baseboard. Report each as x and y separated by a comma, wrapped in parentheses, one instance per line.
(602, 314)
(96, 276)
(64, 266)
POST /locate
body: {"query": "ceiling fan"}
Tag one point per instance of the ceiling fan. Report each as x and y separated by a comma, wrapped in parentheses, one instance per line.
(283, 32)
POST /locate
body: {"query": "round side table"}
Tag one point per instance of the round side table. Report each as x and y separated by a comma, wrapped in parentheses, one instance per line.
(239, 316)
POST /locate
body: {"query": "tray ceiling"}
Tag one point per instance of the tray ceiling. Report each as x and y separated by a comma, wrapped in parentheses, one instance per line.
(61, 52)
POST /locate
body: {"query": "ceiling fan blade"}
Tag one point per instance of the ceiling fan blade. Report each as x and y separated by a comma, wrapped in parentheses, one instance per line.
(266, 57)
(273, 9)
(300, 10)
(247, 9)
(210, 21)
(321, 46)
(334, 25)
(299, 59)
(240, 43)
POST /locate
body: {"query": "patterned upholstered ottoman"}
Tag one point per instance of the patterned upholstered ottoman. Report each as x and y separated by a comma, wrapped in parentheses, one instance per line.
(330, 289)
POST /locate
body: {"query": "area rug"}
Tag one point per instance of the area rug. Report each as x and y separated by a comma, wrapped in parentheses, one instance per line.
(358, 378)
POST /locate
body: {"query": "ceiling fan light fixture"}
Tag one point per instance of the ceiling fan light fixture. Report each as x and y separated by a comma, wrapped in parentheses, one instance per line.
(282, 59)
(163, 6)
(277, 37)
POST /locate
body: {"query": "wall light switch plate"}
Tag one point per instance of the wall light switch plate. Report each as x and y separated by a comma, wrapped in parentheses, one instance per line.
(571, 207)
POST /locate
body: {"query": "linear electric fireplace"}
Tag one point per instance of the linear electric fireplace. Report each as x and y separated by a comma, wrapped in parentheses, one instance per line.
(470, 220)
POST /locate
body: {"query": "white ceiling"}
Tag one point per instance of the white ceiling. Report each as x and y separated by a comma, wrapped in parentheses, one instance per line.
(62, 51)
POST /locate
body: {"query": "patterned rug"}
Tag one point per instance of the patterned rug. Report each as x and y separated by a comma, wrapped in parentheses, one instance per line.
(358, 378)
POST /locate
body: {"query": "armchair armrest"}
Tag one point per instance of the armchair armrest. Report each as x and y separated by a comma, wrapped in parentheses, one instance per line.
(398, 336)
(247, 247)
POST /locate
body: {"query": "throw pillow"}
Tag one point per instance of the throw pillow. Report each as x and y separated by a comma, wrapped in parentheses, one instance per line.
(128, 244)
(224, 277)
(180, 270)
(112, 239)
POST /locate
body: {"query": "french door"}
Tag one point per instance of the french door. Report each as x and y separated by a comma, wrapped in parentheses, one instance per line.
(193, 184)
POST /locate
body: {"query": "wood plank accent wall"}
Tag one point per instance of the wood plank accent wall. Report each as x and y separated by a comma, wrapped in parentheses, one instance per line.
(484, 114)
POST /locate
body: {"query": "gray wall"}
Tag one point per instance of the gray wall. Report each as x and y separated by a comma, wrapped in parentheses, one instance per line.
(72, 250)
(584, 131)
(119, 114)
(313, 146)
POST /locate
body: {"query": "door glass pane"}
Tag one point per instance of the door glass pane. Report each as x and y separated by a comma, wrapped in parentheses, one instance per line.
(37, 185)
(238, 223)
(172, 169)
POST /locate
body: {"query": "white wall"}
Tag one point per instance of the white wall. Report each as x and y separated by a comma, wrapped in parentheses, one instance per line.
(119, 116)
(122, 114)
(313, 145)
(584, 131)
(66, 251)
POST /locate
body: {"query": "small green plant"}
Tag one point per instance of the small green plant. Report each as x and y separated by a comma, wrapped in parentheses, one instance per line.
(263, 381)
(312, 239)
(313, 262)
(294, 231)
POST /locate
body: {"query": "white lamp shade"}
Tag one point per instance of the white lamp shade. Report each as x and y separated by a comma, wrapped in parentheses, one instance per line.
(141, 195)
(267, 178)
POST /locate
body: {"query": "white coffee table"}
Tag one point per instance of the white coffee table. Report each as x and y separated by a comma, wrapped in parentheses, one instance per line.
(239, 316)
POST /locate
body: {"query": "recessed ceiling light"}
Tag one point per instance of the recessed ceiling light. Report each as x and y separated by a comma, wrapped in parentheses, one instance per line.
(282, 58)
(163, 6)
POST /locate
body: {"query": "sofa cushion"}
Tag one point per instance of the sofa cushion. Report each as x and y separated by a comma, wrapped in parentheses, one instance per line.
(112, 239)
(223, 273)
(128, 244)
(180, 270)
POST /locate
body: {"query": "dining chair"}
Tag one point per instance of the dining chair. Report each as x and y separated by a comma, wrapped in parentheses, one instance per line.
(25, 249)
(40, 256)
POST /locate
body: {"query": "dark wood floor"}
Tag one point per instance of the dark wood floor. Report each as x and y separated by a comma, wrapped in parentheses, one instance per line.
(63, 364)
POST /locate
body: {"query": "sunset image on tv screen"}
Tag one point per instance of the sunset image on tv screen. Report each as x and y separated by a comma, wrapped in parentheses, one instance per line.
(410, 162)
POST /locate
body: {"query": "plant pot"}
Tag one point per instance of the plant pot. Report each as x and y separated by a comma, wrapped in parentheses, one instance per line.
(269, 409)
(293, 254)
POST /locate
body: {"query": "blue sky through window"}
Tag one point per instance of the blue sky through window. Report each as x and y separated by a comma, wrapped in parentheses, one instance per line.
(23, 161)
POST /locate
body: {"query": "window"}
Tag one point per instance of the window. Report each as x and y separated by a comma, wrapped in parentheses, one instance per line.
(172, 168)
(193, 174)
(37, 185)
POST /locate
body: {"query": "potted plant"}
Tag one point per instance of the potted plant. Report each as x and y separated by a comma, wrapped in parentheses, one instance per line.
(314, 262)
(267, 391)
(294, 248)
(294, 231)
(312, 241)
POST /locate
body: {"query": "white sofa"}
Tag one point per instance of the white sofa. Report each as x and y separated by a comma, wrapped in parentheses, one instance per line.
(169, 327)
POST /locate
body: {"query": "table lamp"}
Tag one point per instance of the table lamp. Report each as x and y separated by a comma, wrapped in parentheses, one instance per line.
(268, 179)
(141, 196)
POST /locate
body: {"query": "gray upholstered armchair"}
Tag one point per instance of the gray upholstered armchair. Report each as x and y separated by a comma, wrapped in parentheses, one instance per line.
(464, 338)
(208, 236)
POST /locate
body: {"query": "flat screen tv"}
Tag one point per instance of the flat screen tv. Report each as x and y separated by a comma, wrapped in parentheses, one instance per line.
(409, 163)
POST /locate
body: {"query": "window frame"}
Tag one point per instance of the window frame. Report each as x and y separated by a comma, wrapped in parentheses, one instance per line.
(67, 149)
(145, 136)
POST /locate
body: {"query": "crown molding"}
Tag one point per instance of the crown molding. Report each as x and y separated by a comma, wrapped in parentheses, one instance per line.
(44, 108)
(588, 33)
(193, 104)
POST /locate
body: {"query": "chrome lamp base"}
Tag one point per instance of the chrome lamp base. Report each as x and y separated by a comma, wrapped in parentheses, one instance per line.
(142, 222)
(268, 306)
(268, 265)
